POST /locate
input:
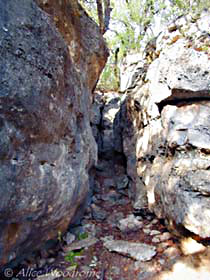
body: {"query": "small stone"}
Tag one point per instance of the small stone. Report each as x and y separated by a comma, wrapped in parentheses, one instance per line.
(137, 251)
(122, 182)
(107, 238)
(84, 243)
(69, 238)
(129, 224)
(190, 246)
(95, 116)
(95, 199)
(41, 263)
(98, 213)
(165, 236)
(156, 239)
(148, 226)
(51, 251)
(146, 230)
(94, 262)
(114, 218)
(91, 229)
(172, 27)
(163, 245)
(155, 221)
(171, 252)
(154, 232)
(50, 260)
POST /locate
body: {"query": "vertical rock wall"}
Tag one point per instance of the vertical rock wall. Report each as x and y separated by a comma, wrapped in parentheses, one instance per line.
(166, 129)
(50, 62)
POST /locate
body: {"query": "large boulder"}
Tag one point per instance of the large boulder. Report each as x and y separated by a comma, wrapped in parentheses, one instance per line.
(50, 62)
(166, 136)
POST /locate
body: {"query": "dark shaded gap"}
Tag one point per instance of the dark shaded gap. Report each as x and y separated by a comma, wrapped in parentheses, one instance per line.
(178, 98)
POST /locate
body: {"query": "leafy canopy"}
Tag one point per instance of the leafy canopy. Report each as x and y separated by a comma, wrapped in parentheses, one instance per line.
(127, 21)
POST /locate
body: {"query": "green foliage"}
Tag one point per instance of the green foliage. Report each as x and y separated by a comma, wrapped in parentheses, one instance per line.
(70, 257)
(82, 236)
(195, 8)
(130, 20)
(109, 80)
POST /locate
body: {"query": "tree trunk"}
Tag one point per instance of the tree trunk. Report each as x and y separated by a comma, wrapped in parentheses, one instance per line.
(107, 14)
(100, 15)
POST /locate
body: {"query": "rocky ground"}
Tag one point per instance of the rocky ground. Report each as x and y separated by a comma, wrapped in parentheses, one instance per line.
(112, 242)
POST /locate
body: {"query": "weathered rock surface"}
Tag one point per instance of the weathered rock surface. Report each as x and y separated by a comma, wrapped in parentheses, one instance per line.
(46, 143)
(137, 251)
(130, 223)
(166, 131)
(77, 245)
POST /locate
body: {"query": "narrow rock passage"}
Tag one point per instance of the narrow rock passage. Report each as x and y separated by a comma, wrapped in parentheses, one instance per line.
(130, 246)
(112, 241)
(115, 223)
(51, 182)
(120, 243)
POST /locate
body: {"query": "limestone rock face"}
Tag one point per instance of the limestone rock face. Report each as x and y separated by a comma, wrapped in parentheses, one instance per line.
(166, 133)
(46, 143)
